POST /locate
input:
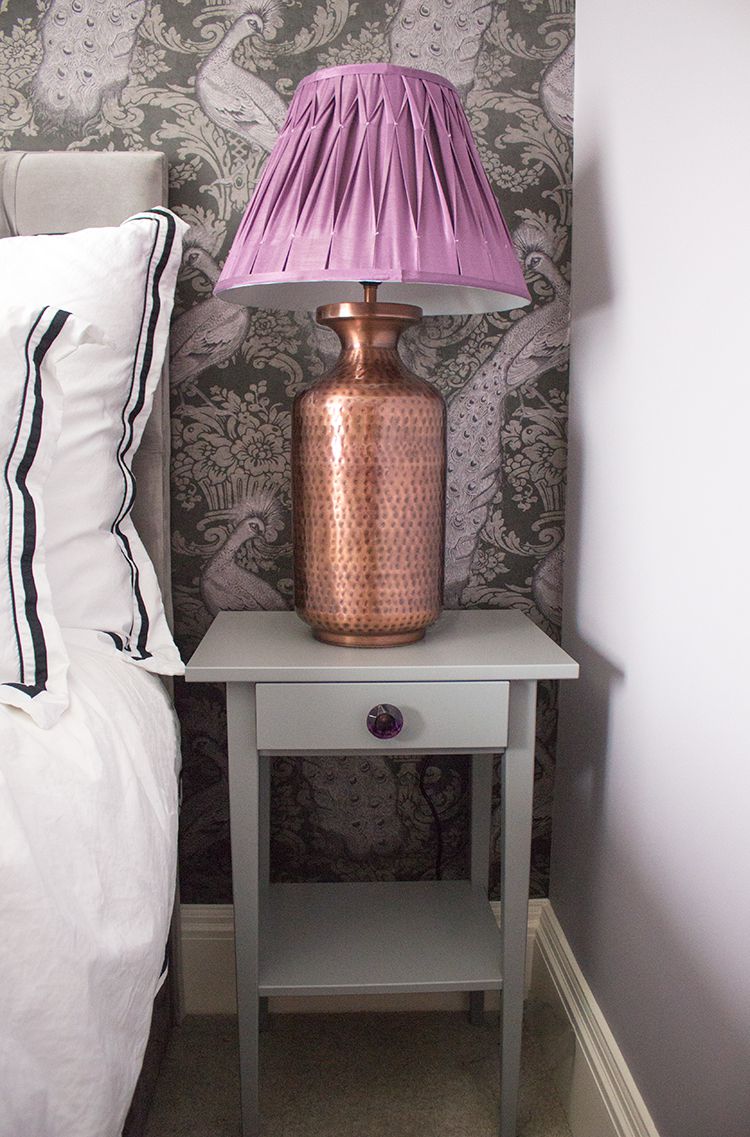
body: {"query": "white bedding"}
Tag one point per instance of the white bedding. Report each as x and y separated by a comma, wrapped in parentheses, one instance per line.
(88, 830)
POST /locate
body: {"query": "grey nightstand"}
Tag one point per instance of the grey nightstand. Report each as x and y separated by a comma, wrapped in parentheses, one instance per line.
(469, 686)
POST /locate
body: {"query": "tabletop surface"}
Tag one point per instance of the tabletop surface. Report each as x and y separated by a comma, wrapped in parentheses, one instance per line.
(277, 647)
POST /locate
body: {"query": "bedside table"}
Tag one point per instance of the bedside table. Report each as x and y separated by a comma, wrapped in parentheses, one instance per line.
(468, 687)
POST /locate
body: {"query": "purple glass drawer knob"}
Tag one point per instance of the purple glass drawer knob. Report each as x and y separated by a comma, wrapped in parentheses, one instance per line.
(385, 721)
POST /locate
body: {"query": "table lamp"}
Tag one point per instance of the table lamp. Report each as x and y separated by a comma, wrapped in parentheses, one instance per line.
(374, 184)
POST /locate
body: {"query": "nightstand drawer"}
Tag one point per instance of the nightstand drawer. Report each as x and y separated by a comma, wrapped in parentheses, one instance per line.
(402, 716)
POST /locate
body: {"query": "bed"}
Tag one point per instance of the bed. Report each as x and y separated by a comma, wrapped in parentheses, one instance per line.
(88, 805)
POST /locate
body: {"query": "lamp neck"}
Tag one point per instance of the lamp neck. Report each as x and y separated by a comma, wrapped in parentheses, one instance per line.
(368, 325)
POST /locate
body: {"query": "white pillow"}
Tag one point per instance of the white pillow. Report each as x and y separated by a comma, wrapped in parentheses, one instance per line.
(33, 660)
(122, 280)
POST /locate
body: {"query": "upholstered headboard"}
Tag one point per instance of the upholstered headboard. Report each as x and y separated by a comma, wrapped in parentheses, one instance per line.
(59, 192)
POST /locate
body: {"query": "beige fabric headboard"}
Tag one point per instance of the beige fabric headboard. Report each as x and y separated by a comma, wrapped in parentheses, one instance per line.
(59, 192)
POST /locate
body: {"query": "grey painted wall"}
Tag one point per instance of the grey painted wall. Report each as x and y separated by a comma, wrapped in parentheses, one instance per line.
(650, 848)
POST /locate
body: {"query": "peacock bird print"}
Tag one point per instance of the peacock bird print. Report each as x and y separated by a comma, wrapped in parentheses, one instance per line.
(444, 36)
(533, 344)
(207, 334)
(234, 98)
(556, 90)
(226, 585)
(87, 47)
(354, 799)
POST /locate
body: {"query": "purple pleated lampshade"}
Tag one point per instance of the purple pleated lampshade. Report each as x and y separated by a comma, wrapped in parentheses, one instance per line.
(375, 176)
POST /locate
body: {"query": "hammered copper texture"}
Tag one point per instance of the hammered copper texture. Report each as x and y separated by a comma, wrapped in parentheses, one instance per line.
(368, 471)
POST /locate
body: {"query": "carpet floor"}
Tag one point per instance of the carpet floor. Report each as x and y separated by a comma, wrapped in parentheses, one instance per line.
(353, 1075)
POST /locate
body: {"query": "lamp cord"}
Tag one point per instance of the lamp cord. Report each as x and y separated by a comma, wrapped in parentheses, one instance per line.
(435, 818)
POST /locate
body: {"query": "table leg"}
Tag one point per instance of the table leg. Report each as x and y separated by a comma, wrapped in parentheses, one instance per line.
(264, 858)
(264, 821)
(517, 795)
(481, 813)
(243, 798)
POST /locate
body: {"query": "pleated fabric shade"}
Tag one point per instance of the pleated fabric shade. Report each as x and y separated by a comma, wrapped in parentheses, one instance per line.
(375, 176)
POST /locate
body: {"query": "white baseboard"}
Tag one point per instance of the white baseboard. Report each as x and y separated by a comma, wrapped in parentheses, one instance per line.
(207, 937)
(209, 981)
(597, 1090)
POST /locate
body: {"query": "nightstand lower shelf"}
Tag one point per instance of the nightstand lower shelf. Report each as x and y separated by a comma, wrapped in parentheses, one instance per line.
(378, 938)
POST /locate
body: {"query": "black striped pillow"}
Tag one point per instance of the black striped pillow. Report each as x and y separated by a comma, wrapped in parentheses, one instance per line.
(122, 280)
(33, 660)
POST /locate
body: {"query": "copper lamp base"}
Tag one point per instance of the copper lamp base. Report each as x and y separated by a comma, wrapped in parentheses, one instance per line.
(394, 639)
(368, 477)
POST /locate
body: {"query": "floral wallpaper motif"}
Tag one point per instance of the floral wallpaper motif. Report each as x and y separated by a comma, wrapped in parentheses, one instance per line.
(208, 82)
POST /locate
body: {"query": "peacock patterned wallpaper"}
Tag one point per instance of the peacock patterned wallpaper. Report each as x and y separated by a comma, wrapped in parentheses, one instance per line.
(208, 82)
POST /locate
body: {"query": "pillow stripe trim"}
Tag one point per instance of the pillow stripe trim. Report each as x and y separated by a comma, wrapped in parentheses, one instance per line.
(29, 631)
(161, 251)
(27, 415)
(129, 417)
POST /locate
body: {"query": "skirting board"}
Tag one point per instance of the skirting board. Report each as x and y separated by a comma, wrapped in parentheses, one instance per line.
(596, 1088)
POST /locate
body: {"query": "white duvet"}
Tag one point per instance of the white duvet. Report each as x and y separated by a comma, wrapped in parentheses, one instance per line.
(88, 828)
